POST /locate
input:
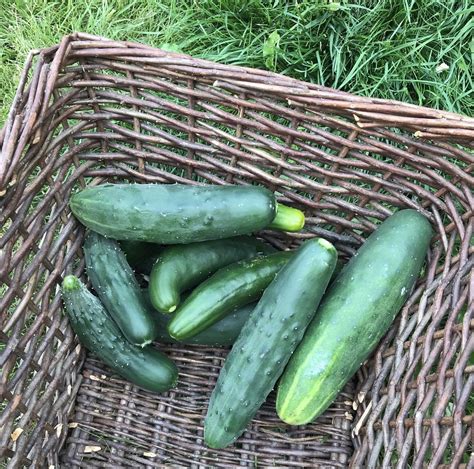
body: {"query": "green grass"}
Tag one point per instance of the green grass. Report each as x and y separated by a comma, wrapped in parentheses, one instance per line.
(383, 48)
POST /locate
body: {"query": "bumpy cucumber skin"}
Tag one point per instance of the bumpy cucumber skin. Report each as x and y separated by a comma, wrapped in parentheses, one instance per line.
(118, 289)
(140, 255)
(356, 312)
(229, 288)
(267, 341)
(179, 268)
(146, 367)
(173, 213)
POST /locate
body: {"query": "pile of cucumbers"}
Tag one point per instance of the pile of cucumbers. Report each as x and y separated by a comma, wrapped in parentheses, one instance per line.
(293, 316)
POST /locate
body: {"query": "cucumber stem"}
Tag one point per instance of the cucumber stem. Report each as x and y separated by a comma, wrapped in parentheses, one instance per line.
(287, 219)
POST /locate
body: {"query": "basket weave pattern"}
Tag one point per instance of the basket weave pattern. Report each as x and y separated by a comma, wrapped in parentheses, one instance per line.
(92, 110)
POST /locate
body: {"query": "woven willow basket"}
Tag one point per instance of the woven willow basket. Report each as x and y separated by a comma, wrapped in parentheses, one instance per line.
(92, 110)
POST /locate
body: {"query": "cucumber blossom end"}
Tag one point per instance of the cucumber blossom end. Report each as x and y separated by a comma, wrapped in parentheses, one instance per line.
(71, 283)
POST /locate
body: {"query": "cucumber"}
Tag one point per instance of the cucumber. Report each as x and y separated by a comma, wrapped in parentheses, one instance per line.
(146, 367)
(267, 341)
(180, 214)
(229, 288)
(140, 255)
(113, 280)
(221, 334)
(181, 267)
(355, 314)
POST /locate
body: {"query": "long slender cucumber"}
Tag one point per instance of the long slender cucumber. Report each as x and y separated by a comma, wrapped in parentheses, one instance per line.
(117, 288)
(221, 334)
(267, 341)
(229, 288)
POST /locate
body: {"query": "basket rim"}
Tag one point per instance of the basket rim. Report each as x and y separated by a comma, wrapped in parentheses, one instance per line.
(89, 44)
(304, 89)
(365, 112)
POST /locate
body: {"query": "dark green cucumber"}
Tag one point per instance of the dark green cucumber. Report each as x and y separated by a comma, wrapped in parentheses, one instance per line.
(267, 341)
(140, 255)
(229, 288)
(355, 314)
(221, 334)
(179, 268)
(117, 288)
(179, 214)
(97, 331)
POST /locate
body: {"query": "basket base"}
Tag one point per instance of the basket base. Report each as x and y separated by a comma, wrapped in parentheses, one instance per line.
(118, 424)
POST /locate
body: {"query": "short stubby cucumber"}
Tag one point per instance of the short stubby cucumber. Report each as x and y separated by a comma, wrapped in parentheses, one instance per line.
(180, 214)
(181, 267)
(117, 288)
(146, 367)
(267, 341)
(140, 255)
(355, 313)
(229, 288)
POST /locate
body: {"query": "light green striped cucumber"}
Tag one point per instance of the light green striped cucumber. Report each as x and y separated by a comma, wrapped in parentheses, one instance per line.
(355, 313)
(267, 341)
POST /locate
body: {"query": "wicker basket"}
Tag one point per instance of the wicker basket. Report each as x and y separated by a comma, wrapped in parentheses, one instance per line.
(92, 110)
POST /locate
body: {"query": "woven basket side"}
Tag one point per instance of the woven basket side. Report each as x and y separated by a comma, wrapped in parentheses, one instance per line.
(91, 110)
